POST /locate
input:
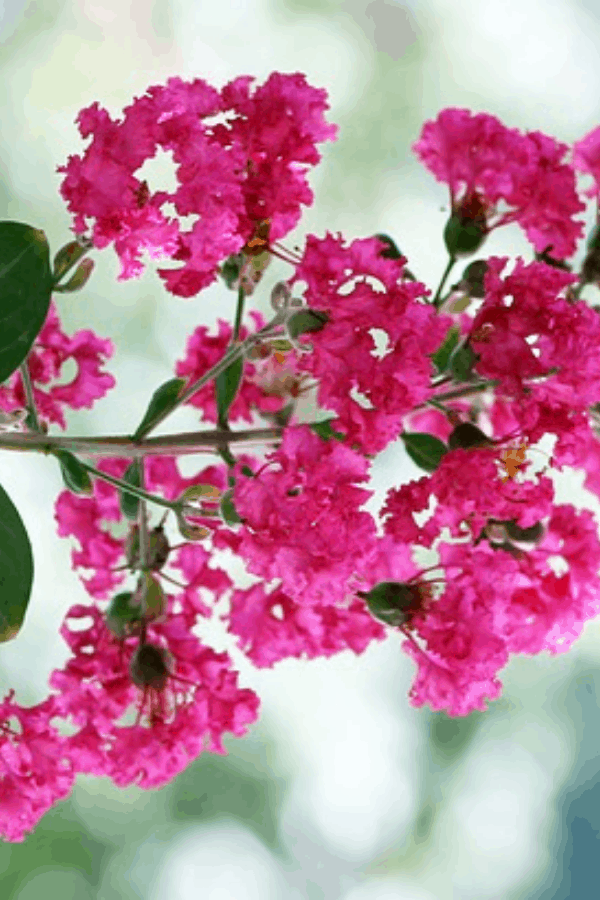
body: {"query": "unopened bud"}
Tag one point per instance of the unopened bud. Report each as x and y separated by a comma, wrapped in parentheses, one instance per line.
(149, 666)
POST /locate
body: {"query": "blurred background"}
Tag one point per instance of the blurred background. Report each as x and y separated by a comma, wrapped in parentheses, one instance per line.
(342, 791)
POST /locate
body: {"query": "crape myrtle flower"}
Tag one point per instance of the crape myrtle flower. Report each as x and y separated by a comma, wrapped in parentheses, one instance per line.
(232, 176)
(35, 766)
(49, 352)
(342, 357)
(496, 600)
(483, 162)
(266, 383)
(302, 517)
(185, 696)
(87, 518)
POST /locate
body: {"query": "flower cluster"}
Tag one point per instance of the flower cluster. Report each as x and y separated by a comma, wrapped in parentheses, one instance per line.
(515, 360)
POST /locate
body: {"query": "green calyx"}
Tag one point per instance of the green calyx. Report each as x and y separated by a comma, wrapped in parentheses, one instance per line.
(392, 601)
(124, 615)
(158, 552)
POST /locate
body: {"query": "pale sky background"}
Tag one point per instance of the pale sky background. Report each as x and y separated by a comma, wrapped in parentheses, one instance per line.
(356, 753)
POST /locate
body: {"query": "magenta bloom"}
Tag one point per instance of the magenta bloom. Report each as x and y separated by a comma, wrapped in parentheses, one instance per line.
(303, 521)
(342, 356)
(178, 714)
(492, 602)
(50, 350)
(35, 767)
(483, 162)
(231, 176)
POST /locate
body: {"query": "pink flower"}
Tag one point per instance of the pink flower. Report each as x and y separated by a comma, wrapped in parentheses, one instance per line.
(185, 695)
(85, 517)
(50, 350)
(492, 163)
(203, 351)
(271, 626)
(493, 602)
(342, 355)
(231, 176)
(35, 771)
(586, 158)
(302, 521)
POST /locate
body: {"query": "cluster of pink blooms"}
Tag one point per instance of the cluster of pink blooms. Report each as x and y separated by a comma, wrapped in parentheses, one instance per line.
(303, 533)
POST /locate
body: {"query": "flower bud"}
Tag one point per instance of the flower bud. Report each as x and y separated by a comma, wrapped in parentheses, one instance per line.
(393, 601)
(157, 554)
(466, 229)
(150, 596)
(472, 278)
(79, 278)
(590, 270)
(149, 666)
(531, 534)
(124, 615)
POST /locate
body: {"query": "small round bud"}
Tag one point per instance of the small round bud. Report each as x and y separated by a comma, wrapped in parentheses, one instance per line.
(393, 601)
(159, 548)
(466, 229)
(124, 615)
(533, 533)
(149, 666)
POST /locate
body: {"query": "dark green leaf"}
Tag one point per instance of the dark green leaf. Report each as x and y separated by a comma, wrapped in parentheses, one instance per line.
(442, 355)
(75, 475)
(164, 398)
(306, 320)
(466, 436)
(16, 569)
(25, 291)
(425, 450)
(325, 431)
(462, 362)
(226, 387)
(129, 502)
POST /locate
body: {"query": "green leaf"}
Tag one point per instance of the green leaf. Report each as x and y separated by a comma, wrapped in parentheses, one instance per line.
(442, 355)
(228, 511)
(226, 387)
(129, 502)
(466, 436)
(306, 320)
(325, 431)
(425, 450)
(462, 362)
(25, 291)
(164, 398)
(16, 569)
(75, 475)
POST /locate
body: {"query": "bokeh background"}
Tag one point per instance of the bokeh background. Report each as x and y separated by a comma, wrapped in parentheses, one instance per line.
(342, 791)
